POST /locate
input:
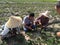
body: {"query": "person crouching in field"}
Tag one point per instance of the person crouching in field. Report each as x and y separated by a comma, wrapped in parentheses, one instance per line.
(42, 20)
(12, 26)
(28, 23)
(57, 8)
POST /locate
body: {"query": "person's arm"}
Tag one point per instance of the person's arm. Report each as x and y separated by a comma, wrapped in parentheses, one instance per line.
(26, 23)
(38, 20)
(5, 31)
(29, 27)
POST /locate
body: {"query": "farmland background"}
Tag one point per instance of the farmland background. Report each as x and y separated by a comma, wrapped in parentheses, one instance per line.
(29, 0)
(10, 7)
(22, 7)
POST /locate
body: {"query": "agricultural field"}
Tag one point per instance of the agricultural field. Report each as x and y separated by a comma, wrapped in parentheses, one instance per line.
(22, 7)
(18, 1)
(10, 8)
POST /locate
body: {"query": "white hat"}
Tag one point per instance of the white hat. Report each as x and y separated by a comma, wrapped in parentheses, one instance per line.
(46, 13)
(14, 21)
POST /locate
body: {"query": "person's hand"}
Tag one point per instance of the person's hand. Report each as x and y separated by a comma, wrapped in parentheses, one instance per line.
(30, 28)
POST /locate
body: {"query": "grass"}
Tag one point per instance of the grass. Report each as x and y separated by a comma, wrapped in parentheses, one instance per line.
(43, 39)
(38, 38)
(18, 1)
(24, 8)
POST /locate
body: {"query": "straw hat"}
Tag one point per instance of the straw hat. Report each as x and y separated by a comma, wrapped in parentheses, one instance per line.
(46, 13)
(14, 21)
(58, 34)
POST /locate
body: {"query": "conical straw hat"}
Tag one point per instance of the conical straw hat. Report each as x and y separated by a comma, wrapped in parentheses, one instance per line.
(14, 21)
(46, 13)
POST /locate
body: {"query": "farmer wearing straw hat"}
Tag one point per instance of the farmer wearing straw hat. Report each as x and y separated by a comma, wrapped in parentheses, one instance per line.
(43, 19)
(12, 25)
(28, 23)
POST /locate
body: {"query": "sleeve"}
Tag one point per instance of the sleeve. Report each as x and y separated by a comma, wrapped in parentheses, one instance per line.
(27, 21)
(5, 31)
